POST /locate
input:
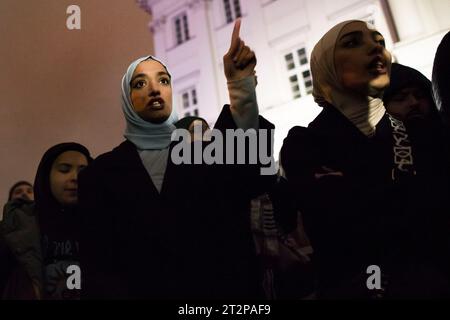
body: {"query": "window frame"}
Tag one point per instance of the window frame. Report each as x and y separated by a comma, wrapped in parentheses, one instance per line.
(232, 9)
(189, 95)
(181, 29)
(296, 65)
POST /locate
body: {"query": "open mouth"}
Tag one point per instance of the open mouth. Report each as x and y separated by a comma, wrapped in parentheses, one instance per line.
(156, 104)
(377, 66)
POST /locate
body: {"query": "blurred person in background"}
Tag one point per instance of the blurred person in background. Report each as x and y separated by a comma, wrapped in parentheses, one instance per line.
(21, 189)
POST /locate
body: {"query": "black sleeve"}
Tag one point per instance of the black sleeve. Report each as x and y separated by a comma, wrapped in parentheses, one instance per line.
(246, 178)
(226, 121)
(7, 264)
(300, 158)
(100, 277)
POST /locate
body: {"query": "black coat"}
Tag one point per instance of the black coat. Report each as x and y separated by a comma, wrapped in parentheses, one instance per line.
(192, 240)
(363, 217)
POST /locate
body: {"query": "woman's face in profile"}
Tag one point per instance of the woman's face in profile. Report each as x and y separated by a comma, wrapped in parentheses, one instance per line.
(151, 91)
(362, 62)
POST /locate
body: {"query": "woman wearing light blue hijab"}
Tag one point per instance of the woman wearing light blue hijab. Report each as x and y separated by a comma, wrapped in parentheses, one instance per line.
(149, 115)
(154, 229)
(144, 128)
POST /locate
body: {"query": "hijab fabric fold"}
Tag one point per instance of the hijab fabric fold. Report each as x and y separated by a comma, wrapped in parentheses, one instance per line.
(145, 135)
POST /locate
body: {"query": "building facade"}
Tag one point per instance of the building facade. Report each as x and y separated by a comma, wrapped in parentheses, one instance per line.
(192, 36)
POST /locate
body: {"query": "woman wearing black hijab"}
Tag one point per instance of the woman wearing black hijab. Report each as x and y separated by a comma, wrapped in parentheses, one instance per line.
(43, 235)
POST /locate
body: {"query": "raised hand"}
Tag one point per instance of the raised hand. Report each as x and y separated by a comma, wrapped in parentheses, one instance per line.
(240, 61)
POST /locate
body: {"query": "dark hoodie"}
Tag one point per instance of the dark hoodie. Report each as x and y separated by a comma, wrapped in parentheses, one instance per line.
(405, 77)
(441, 80)
(427, 134)
(59, 226)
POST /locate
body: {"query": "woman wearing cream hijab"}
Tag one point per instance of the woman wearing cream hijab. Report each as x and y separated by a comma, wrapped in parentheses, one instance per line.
(357, 181)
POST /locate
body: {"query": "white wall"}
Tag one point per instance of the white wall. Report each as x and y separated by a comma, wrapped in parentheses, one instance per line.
(421, 25)
(273, 28)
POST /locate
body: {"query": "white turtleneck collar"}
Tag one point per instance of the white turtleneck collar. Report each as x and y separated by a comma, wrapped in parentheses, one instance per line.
(365, 112)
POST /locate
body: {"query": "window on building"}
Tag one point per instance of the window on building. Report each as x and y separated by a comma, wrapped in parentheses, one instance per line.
(189, 102)
(295, 87)
(298, 72)
(186, 27)
(370, 20)
(237, 8)
(194, 96)
(302, 56)
(307, 80)
(185, 99)
(181, 26)
(232, 10)
(289, 61)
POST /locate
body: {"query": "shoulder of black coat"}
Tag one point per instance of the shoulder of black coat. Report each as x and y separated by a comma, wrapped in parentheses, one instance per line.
(123, 154)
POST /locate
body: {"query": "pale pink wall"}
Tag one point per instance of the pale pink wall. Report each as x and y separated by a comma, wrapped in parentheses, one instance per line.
(58, 85)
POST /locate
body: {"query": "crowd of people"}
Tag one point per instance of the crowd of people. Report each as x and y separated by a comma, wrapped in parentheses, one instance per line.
(365, 184)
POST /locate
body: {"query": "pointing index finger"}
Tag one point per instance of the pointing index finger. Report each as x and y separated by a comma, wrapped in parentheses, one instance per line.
(234, 46)
(236, 30)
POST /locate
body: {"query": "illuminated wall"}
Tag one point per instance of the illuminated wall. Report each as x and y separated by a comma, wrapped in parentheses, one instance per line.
(63, 85)
(193, 35)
